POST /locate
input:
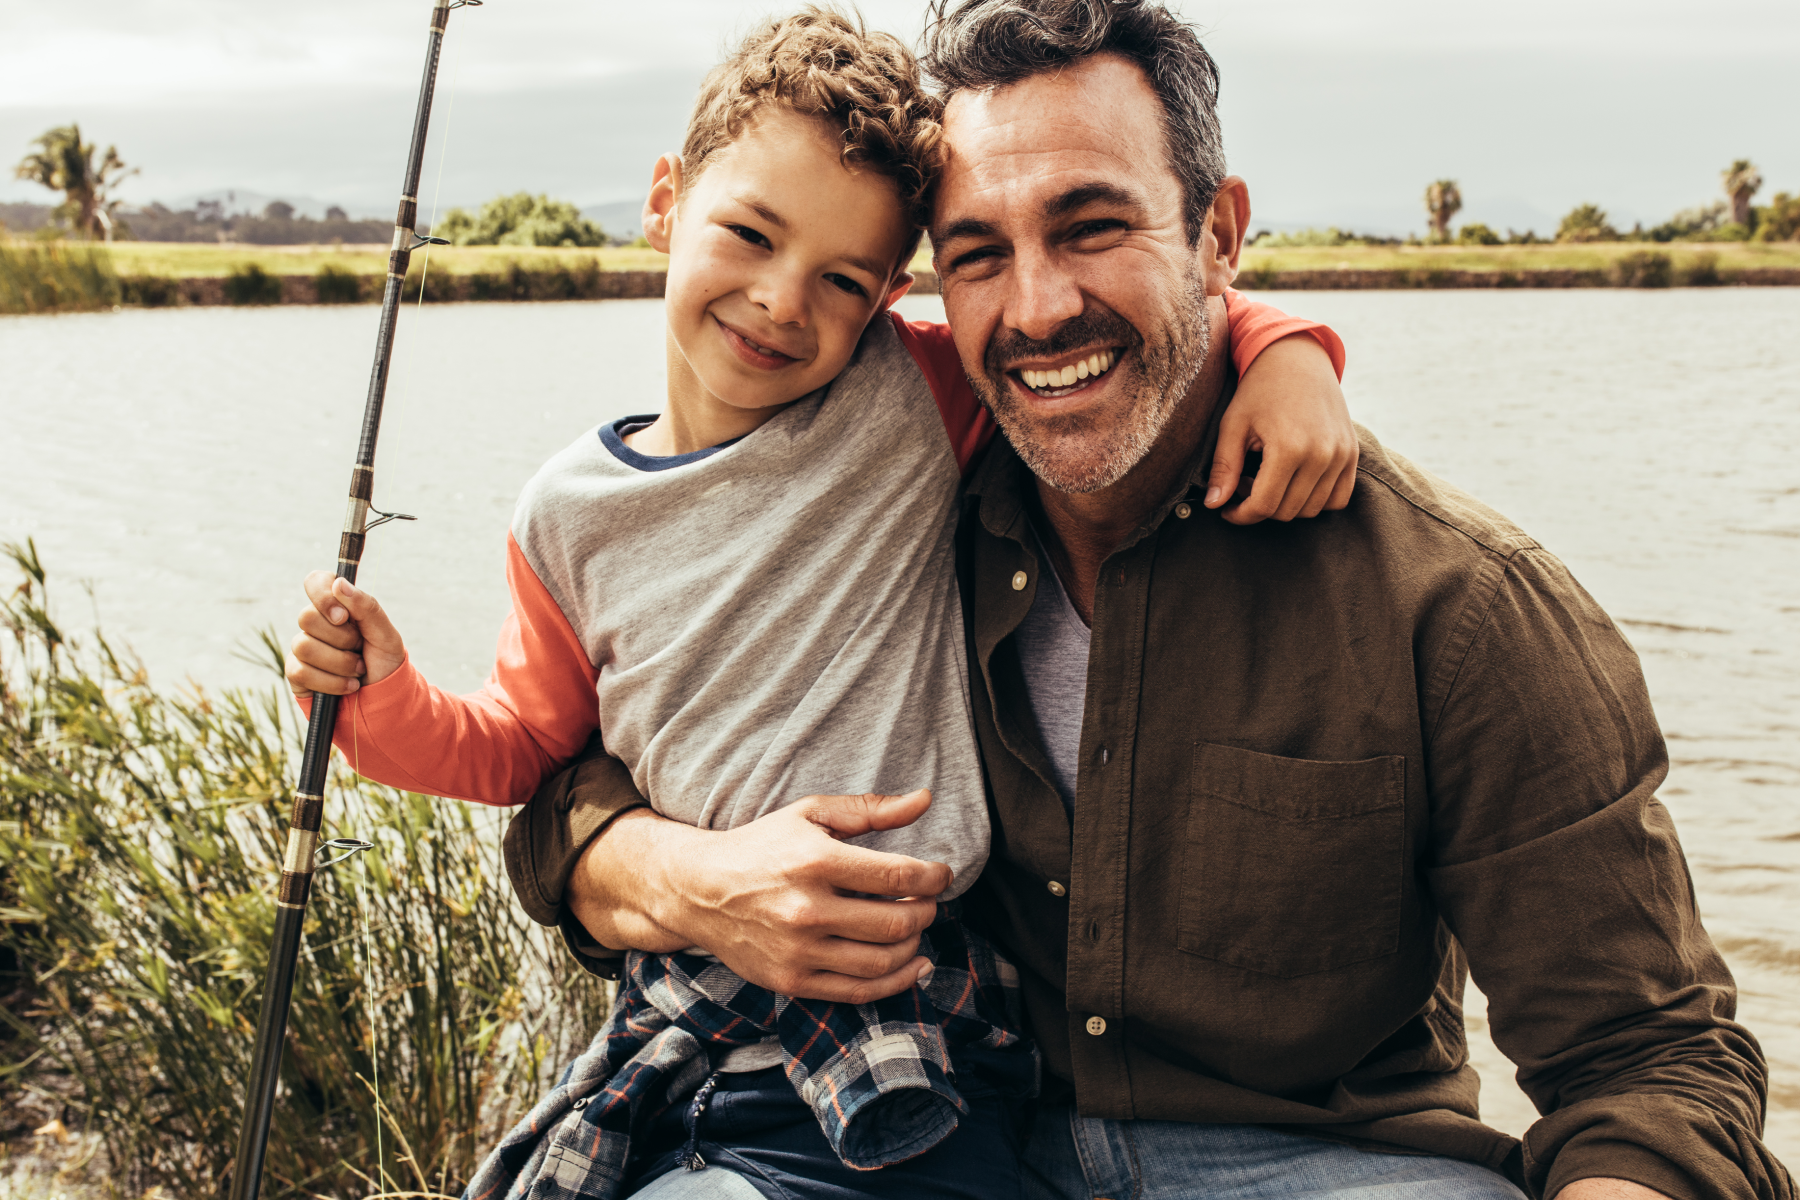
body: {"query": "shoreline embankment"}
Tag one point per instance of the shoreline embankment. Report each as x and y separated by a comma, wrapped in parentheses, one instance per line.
(63, 276)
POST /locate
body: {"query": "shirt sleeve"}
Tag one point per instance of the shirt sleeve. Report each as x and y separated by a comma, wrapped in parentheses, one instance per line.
(492, 746)
(1254, 328)
(1561, 874)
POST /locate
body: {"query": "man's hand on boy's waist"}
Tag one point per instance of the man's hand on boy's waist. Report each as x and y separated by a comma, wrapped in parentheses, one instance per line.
(773, 900)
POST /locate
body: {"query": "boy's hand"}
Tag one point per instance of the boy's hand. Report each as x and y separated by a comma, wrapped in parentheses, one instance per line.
(1289, 406)
(345, 640)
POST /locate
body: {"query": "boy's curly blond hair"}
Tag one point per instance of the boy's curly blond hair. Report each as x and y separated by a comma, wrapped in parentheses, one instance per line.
(821, 62)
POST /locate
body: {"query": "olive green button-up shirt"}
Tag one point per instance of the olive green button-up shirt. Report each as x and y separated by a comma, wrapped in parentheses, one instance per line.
(1326, 769)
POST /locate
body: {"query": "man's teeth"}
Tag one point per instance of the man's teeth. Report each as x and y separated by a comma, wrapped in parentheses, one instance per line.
(1087, 368)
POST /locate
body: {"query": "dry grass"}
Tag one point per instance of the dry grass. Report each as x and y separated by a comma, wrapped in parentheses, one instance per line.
(183, 260)
(1590, 256)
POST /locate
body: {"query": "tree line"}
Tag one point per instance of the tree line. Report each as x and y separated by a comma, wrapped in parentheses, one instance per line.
(89, 178)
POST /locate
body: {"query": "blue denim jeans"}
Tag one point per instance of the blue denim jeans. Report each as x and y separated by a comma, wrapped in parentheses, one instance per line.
(1071, 1157)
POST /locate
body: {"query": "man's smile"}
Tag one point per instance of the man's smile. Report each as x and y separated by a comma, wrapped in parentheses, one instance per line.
(1066, 374)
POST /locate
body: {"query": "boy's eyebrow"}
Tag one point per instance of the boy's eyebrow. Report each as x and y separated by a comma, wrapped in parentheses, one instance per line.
(762, 210)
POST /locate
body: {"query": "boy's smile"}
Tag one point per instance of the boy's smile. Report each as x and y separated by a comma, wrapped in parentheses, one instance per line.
(779, 255)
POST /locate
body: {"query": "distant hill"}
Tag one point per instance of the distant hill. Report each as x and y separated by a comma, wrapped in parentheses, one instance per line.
(22, 217)
(620, 218)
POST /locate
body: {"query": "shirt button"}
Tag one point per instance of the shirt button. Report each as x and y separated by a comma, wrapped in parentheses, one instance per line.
(1019, 581)
(1096, 1025)
(1057, 889)
(1184, 510)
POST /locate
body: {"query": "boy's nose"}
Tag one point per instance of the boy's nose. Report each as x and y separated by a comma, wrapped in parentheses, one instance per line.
(783, 297)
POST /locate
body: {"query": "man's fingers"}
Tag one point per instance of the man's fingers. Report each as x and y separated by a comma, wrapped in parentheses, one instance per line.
(318, 587)
(845, 989)
(848, 816)
(874, 873)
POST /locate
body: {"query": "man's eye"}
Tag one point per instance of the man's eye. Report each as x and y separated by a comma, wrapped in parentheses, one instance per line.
(1089, 229)
(978, 255)
(749, 235)
(846, 284)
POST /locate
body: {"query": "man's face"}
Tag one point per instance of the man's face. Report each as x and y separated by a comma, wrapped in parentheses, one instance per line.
(1076, 299)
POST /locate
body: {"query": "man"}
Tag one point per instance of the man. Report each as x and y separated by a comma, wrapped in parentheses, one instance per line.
(1261, 796)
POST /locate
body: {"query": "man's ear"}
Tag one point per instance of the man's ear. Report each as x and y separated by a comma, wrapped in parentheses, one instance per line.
(902, 284)
(1223, 240)
(659, 206)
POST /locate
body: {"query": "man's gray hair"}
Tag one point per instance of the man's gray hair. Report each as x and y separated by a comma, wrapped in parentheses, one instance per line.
(982, 44)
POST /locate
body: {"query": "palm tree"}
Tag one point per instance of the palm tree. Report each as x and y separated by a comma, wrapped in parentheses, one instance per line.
(1443, 201)
(64, 163)
(1741, 181)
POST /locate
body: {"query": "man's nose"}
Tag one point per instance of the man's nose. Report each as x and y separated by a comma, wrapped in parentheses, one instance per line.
(782, 295)
(1044, 295)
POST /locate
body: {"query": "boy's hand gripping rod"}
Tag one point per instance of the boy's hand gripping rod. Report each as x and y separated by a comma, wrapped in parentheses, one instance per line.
(303, 832)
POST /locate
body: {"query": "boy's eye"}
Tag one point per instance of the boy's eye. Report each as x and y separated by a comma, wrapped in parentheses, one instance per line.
(846, 284)
(749, 235)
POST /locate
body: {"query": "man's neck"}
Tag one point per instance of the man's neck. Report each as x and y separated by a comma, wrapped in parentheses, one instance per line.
(1090, 526)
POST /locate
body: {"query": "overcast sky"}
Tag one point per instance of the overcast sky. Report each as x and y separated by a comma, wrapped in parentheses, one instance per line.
(1336, 111)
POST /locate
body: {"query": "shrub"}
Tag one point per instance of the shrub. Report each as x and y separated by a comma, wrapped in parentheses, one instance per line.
(56, 277)
(521, 220)
(1477, 234)
(338, 285)
(248, 283)
(1644, 269)
(1586, 223)
(149, 291)
(1528, 238)
(1779, 220)
(140, 837)
(1702, 270)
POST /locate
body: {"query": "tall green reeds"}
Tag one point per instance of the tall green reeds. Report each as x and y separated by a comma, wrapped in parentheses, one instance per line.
(55, 277)
(140, 837)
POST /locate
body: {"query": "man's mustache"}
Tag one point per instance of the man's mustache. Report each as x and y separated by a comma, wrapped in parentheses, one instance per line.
(1092, 326)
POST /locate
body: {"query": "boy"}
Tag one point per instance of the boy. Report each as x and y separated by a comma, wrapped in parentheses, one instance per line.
(753, 595)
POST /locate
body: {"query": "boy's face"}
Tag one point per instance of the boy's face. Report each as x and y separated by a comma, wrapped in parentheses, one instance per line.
(778, 258)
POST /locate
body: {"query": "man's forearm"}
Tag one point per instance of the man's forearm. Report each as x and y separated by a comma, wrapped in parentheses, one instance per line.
(613, 887)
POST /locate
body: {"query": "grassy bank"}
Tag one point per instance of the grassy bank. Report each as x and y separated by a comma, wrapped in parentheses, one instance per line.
(200, 260)
(141, 833)
(66, 277)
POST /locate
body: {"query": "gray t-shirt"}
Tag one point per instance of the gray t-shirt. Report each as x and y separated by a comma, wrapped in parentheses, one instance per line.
(780, 617)
(1053, 654)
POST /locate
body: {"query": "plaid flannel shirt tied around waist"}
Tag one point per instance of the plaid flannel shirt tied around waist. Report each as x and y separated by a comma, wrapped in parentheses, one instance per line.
(877, 1076)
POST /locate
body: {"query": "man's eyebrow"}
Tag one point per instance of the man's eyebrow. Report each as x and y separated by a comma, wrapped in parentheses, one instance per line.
(967, 227)
(762, 210)
(1091, 193)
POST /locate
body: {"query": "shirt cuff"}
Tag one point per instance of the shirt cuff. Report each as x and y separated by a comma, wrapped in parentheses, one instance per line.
(546, 837)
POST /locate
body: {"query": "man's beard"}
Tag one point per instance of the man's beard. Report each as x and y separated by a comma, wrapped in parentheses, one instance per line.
(1091, 450)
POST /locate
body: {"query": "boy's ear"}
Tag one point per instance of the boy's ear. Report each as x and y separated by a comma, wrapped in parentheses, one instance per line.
(659, 206)
(902, 284)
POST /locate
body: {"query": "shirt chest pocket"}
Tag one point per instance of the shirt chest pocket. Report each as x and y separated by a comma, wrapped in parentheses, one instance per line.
(1292, 866)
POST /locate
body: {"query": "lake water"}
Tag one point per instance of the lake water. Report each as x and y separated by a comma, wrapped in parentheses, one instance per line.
(191, 466)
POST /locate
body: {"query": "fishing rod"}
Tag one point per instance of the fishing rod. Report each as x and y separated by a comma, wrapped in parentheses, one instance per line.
(309, 797)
